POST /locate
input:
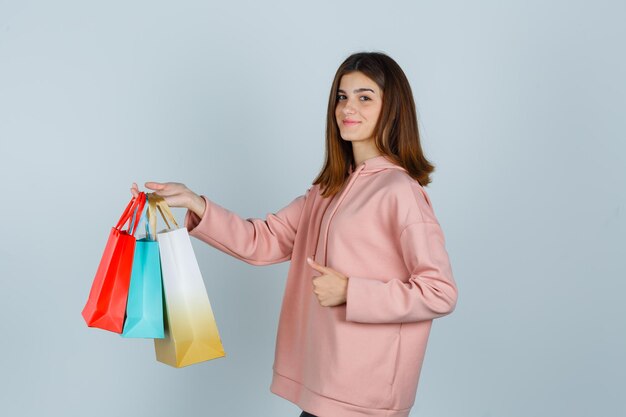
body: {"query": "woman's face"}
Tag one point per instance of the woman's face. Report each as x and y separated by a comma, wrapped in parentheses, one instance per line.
(359, 101)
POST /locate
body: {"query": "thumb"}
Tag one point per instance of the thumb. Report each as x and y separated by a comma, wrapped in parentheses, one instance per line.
(154, 185)
(316, 266)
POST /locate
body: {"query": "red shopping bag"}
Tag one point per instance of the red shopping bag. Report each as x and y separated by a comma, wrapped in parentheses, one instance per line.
(106, 305)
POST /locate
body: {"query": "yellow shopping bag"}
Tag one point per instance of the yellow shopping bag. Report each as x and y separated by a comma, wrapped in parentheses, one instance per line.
(191, 334)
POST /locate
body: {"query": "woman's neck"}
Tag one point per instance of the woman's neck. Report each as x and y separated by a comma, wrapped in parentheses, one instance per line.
(363, 150)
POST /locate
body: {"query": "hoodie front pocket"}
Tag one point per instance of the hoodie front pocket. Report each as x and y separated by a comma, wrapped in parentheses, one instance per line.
(359, 363)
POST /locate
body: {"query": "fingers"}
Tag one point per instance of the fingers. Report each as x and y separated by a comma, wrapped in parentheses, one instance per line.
(174, 193)
(167, 189)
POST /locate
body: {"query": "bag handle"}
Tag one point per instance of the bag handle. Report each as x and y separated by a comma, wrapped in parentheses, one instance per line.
(157, 202)
(135, 219)
(124, 217)
(151, 220)
(139, 219)
(134, 208)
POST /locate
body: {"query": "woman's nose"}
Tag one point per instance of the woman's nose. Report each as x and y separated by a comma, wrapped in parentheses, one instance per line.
(348, 109)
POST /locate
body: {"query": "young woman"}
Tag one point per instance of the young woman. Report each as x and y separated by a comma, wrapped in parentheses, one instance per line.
(369, 269)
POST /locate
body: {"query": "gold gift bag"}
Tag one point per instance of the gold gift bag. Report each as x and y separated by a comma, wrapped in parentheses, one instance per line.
(191, 334)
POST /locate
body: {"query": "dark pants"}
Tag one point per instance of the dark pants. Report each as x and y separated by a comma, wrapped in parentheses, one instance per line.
(305, 414)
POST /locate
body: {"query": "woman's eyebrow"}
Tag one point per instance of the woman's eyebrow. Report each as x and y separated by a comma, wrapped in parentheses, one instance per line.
(358, 90)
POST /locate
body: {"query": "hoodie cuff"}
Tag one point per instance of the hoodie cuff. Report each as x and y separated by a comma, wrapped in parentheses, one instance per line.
(359, 291)
(192, 220)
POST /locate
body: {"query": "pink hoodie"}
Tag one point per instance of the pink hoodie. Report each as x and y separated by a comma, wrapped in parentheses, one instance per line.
(362, 358)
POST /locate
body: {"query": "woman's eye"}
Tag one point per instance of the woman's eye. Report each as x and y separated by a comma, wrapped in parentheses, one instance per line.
(341, 97)
(365, 98)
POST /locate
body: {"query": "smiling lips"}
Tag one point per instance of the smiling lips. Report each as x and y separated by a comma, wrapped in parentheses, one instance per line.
(348, 122)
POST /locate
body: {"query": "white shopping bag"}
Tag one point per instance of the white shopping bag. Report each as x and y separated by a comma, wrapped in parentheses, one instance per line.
(191, 334)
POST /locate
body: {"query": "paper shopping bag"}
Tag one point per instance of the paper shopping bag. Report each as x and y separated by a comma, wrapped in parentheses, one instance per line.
(106, 305)
(191, 333)
(144, 309)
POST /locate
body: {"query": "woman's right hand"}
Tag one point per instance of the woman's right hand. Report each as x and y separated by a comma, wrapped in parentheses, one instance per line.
(175, 195)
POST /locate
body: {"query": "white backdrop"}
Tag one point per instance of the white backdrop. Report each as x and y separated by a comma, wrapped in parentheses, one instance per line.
(521, 105)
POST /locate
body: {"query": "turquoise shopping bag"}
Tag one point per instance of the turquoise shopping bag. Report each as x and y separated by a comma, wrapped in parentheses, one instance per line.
(144, 309)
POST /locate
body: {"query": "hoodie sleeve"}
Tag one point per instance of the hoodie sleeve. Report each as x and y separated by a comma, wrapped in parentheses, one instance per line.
(255, 241)
(428, 293)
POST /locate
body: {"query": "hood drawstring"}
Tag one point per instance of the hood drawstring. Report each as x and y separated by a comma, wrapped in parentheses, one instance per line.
(370, 166)
(343, 194)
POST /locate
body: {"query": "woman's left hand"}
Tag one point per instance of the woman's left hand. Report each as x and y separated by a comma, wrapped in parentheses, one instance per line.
(331, 288)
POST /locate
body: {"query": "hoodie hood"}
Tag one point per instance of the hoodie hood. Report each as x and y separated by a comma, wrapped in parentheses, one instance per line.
(376, 164)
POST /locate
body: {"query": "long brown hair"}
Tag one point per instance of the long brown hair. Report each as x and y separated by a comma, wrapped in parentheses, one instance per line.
(396, 132)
